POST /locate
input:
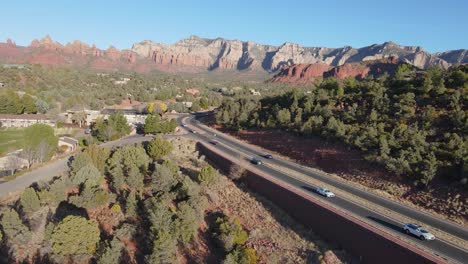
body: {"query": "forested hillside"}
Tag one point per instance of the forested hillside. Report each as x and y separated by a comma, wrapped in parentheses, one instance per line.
(414, 123)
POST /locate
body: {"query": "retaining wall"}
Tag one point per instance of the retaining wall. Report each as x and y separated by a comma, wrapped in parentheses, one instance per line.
(357, 237)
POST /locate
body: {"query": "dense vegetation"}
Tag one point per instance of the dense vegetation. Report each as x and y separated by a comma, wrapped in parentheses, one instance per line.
(53, 90)
(127, 205)
(112, 128)
(415, 124)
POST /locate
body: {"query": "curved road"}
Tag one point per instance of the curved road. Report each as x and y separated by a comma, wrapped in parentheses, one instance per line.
(448, 250)
(57, 167)
(234, 147)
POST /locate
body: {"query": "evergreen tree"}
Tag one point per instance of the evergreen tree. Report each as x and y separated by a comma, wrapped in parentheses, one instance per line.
(28, 104)
(29, 201)
(75, 235)
(158, 148)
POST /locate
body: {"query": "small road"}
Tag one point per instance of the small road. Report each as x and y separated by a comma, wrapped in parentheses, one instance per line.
(234, 147)
(58, 167)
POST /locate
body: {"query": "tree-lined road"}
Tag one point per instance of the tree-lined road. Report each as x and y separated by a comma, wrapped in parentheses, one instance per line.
(440, 247)
(57, 167)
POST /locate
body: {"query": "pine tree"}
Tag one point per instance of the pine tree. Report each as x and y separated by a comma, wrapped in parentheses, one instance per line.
(158, 148)
(29, 201)
(75, 235)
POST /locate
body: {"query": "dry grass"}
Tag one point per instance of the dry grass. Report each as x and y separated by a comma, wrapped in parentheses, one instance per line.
(275, 235)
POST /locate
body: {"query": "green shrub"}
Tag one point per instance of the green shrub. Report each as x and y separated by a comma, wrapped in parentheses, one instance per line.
(207, 175)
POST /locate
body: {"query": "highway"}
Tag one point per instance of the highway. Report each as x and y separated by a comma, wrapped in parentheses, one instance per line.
(448, 250)
(233, 147)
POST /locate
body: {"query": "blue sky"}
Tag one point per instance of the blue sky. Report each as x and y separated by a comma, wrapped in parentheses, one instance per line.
(434, 25)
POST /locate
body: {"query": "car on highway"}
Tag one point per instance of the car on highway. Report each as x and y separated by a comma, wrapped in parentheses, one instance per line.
(268, 156)
(214, 142)
(184, 125)
(193, 131)
(418, 231)
(324, 192)
(256, 161)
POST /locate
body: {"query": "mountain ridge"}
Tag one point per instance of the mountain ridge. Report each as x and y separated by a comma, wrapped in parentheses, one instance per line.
(196, 54)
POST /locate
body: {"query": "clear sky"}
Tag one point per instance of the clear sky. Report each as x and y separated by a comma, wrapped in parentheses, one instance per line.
(436, 25)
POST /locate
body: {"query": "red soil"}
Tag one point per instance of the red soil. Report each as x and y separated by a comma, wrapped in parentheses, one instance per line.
(441, 197)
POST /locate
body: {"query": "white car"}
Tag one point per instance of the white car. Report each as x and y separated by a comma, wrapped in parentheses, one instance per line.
(325, 192)
(418, 231)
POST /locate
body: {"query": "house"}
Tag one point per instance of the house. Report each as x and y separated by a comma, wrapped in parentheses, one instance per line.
(91, 116)
(25, 120)
(2, 84)
(134, 117)
(69, 142)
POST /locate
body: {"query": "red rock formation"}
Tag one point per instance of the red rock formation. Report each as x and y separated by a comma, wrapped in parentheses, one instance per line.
(10, 43)
(356, 70)
(301, 72)
(304, 73)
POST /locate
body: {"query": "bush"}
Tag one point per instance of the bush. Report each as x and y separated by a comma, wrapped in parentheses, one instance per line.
(241, 255)
(207, 175)
(229, 233)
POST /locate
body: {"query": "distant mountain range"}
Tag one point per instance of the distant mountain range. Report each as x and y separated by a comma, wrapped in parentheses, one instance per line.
(195, 54)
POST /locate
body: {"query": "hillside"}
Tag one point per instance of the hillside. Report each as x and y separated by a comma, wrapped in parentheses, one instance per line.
(121, 206)
(198, 55)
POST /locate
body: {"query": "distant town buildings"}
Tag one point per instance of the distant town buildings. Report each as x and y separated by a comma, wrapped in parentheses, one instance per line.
(24, 120)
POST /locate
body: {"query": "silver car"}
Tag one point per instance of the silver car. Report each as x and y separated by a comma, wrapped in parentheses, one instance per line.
(325, 192)
(418, 231)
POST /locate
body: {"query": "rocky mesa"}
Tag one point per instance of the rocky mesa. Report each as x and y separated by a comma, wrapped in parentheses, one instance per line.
(196, 54)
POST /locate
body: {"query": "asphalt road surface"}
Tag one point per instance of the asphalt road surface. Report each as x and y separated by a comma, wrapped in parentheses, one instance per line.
(439, 247)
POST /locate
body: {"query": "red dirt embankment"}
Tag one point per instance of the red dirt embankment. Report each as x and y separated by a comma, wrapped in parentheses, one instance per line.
(441, 198)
